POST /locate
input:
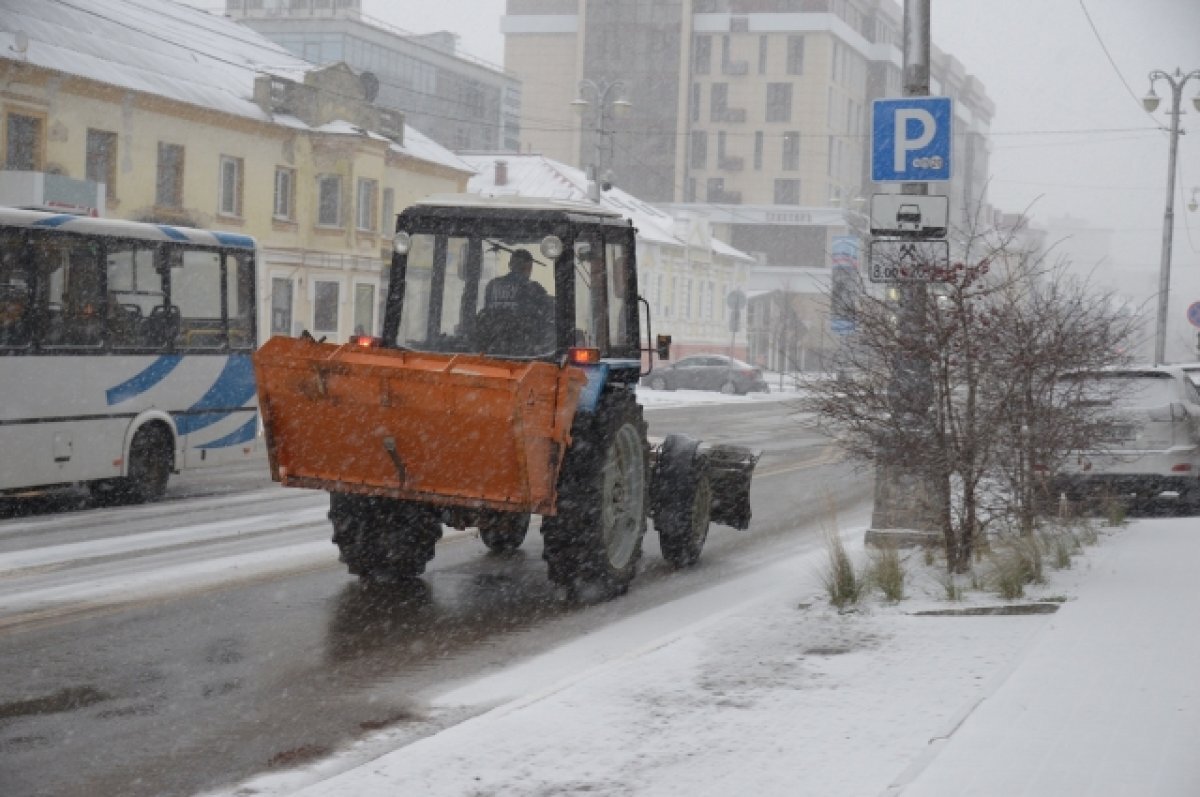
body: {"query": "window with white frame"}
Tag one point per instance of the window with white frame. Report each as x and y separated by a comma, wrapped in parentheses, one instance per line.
(364, 308)
(285, 194)
(229, 202)
(389, 211)
(329, 200)
(365, 208)
(282, 291)
(326, 296)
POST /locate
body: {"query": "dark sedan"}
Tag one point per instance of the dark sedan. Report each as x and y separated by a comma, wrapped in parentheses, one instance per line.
(707, 372)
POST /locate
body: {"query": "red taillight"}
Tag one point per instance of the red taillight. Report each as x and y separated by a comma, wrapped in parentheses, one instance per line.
(581, 356)
(366, 341)
(1182, 467)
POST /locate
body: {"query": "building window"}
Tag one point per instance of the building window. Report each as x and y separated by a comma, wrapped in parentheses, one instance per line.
(389, 210)
(325, 306)
(699, 149)
(718, 102)
(779, 102)
(23, 141)
(791, 151)
(795, 55)
(716, 189)
(168, 190)
(787, 191)
(281, 306)
(285, 194)
(721, 148)
(229, 201)
(758, 149)
(702, 55)
(695, 102)
(762, 55)
(364, 309)
(685, 300)
(102, 160)
(329, 201)
(368, 194)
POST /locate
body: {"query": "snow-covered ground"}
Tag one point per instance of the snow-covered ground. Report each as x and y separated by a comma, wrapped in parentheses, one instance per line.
(782, 695)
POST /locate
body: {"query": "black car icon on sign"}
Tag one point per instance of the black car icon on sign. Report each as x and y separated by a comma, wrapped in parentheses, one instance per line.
(908, 218)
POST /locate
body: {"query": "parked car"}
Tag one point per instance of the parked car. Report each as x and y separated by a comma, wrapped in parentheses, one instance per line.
(1155, 441)
(708, 372)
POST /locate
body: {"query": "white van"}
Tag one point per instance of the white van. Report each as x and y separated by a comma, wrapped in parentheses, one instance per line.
(1155, 447)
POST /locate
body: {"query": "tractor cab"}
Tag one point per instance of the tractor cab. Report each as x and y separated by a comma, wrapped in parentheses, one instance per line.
(514, 279)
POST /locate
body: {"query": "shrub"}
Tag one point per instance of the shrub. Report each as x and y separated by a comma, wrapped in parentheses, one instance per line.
(842, 582)
(887, 573)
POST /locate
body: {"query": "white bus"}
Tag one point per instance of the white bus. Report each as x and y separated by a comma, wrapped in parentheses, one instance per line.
(124, 353)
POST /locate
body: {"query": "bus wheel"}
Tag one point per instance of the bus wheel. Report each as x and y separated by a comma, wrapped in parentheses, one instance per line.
(150, 462)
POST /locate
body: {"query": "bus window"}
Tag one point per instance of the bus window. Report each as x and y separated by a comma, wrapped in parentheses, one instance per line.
(16, 281)
(239, 300)
(135, 289)
(196, 291)
(72, 291)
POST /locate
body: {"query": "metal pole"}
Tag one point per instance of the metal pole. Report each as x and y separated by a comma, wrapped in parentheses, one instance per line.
(1164, 270)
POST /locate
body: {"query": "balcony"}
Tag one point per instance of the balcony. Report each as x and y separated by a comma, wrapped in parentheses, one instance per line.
(45, 191)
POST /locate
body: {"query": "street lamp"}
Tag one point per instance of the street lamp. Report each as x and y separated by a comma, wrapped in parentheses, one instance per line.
(604, 106)
(1150, 102)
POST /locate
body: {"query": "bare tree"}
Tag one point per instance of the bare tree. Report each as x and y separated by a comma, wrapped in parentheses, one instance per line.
(961, 382)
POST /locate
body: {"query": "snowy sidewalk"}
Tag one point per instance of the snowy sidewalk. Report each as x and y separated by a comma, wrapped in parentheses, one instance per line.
(782, 696)
(1107, 702)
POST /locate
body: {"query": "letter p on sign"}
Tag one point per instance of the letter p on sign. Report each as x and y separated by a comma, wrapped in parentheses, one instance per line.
(911, 140)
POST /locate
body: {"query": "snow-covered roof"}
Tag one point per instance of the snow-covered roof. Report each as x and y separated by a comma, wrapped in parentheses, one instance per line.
(539, 176)
(166, 49)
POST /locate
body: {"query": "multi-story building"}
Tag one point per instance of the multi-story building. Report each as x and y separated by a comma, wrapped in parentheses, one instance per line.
(457, 100)
(753, 112)
(168, 114)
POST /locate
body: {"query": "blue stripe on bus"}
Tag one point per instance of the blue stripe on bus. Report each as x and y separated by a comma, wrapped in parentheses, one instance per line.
(233, 239)
(233, 388)
(55, 221)
(243, 434)
(172, 233)
(153, 374)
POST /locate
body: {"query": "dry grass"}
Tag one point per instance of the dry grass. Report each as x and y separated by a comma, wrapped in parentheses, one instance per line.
(887, 573)
(844, 585)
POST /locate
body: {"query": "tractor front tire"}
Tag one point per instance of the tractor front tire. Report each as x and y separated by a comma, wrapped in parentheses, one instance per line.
(594, 542)
(383, 540)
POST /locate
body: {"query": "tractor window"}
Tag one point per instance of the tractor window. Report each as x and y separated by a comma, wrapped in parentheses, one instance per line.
(618, 316)
(592, 318)
(477, 294)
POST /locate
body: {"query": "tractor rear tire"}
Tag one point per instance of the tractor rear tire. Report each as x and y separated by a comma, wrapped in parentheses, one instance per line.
(383, 540)
(504, 531)
(684, 498)
(594, 542)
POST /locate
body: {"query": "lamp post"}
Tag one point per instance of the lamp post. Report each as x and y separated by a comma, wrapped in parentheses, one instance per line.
(608, 101)
(1150, 101)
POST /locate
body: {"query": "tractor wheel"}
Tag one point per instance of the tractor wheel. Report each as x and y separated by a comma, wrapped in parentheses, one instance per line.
(593, 544)
(151, 458)
(383, 539)
(684, 497)
(503, 531)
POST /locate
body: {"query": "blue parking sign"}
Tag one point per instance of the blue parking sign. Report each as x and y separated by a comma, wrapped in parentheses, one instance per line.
(911, 140)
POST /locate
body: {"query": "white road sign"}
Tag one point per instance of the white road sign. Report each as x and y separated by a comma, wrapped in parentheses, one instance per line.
(907, 260)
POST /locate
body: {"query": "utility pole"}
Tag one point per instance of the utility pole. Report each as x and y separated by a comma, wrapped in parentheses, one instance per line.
(904, 510)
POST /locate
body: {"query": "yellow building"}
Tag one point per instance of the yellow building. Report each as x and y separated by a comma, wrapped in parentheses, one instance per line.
(173, 115)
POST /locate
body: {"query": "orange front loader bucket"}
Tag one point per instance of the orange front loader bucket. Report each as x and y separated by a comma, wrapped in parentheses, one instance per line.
(449, 429)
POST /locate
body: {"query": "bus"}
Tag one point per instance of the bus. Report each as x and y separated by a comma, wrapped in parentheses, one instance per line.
(124, 353)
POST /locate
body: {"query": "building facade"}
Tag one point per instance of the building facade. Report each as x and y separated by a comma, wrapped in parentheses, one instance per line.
(189, 130)
(459, 101)
(755, 113)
